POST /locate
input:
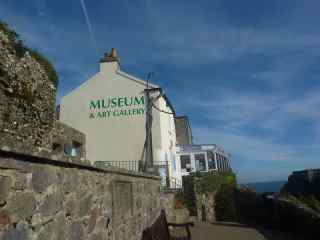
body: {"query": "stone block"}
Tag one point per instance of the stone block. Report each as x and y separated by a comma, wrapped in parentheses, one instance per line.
(94, 215)
(5, 184)
(85, 205)
(138, 203)
(42, 178)
(122, 200)
(76, 231)
(71, 205)
(60, 229)
(70, 181)
(9, 163)
(4, 221)
(97, 236)
(54, 230)
(21, 232)
(52, 204)
(46, 232)
(21, 206)
(21, 181)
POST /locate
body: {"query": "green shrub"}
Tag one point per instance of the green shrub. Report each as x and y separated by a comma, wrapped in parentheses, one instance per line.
(189, 194)
(211, 182)
(12, 35)
(221, 183)
(48, 67)
(224, 207)
(14, 39)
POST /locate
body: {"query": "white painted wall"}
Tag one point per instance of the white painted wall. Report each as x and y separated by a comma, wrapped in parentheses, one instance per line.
(115, 138)
(168, 143)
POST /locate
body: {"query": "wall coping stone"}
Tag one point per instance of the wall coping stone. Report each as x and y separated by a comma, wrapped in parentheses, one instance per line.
(45, 158)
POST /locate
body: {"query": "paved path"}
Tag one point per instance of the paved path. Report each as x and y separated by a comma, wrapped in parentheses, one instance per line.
(230, 231)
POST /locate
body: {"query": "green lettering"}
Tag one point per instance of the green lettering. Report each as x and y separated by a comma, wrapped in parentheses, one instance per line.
(127, 102)
(141, 110)
(94, 104)
(138, 101)
(103, 103)
(120, 102)
(113, 102)
(115, 113)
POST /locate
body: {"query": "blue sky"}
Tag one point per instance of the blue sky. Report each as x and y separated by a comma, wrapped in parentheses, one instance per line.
(245, 72)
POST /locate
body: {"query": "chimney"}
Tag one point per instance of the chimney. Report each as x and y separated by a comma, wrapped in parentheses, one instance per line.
(110, 57)
(110, 62)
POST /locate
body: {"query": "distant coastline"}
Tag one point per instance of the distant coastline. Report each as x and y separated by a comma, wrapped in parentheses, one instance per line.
(260, 187)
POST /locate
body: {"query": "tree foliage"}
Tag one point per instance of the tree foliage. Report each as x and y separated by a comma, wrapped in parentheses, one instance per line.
(211, 182)
(225, 209)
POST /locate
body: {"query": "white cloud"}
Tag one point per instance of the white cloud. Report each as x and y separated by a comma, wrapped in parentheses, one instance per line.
(255, 158)
(270, 155)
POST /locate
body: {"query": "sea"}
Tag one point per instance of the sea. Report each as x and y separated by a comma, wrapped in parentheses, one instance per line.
(261, 187)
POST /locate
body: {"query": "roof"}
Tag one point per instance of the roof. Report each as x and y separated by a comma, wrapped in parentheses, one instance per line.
(169, 103)
(203, 147)
(138, 80)
(183, 130)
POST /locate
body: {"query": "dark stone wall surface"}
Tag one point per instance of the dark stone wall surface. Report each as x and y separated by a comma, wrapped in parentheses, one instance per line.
(49, 200)
(303, 183)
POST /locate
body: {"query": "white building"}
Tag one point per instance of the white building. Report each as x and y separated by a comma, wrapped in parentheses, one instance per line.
(110, 109)
(202, 158)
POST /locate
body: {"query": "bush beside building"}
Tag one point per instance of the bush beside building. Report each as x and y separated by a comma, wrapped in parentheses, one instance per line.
(217, 198)
(207, 195)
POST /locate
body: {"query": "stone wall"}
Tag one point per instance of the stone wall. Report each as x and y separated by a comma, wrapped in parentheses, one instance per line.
(27, 98)
(27, 109)
(205, 207)
(46, 199)
(64, 137)
(167, 201)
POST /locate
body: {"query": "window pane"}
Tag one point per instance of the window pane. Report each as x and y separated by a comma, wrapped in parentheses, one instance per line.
(211, 162)
(185, 161)
(200, 162)
(173, 161)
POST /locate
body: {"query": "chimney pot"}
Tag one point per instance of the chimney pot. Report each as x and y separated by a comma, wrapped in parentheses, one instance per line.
(114, 53)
